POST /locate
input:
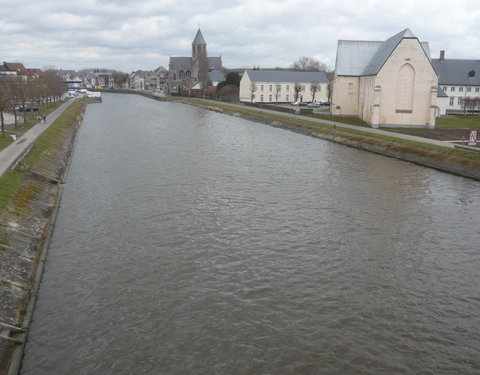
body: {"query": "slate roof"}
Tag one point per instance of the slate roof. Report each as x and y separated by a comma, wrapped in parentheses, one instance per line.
(180, 62)
(215, 62)
(456, 72)
(364, 58)
(185, 62)
(199, 38)
(441, 93)
(216, 76)
(287, 76)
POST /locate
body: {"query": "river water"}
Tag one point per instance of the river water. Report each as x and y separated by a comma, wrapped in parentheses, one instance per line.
(192, 242)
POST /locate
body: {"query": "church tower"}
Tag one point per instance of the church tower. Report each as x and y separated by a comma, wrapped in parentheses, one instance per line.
(199, 47)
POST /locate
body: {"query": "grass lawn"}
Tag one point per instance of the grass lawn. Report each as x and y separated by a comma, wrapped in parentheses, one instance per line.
(9, 184)
(5, 140)
(50, 139)
(458, 122)
(351, 120)
(45, 108)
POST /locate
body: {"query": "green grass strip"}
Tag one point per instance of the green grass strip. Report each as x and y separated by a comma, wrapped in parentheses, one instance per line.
(9, 185)
(458, 122)
(5, 140)
(51, 136)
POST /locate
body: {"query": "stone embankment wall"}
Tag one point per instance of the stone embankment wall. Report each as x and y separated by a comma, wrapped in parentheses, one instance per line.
(24, 230)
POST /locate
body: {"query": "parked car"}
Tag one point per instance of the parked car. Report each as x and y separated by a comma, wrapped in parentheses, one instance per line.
(314, 104)
(27, 109)
(295, 103)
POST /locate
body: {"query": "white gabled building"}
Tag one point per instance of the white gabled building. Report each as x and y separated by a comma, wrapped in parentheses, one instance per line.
(459, 80)
(283, 86)
(389, 83)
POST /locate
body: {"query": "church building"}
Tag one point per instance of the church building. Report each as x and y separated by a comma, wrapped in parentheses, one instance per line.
(389, 83)
(185, 72)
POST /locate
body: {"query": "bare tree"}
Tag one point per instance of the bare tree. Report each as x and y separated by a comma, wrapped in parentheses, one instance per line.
(22, 88)
(297, 88)
(470, 104)
(310, 64)
(314, 88)
(14, 97)
(278, 89)
(119, 78)
(253, 89)
(203, 77)
(4, 99)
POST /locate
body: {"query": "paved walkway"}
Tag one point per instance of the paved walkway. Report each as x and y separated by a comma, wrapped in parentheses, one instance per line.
(10, 155)
(347, 126)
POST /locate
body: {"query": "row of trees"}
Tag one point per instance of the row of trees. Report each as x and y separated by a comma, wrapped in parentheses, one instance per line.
(470, 104)
(17, 93)
(297, 88)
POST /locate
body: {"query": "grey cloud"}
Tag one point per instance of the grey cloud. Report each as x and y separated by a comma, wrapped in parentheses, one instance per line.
(141, 34)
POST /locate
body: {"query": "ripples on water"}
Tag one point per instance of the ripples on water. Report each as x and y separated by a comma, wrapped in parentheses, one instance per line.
(190, 242)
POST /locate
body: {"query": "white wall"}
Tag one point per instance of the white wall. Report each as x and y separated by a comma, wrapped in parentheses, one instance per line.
(410, 55)
(266, 92)
(407, 79)
(456, 94)
(345, 96)
(245, 91)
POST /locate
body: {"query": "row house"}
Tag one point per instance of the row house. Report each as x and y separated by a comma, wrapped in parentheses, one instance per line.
(283, 86)
(18, 70)
(143, 80)
(459, 84)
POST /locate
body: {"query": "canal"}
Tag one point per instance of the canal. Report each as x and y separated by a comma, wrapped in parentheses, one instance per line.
(192, 242)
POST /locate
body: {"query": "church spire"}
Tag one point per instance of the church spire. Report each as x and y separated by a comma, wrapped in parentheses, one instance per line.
(198, 45)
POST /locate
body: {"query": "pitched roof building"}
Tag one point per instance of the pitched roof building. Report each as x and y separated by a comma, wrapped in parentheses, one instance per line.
(385, 83)
(185, 71)
(13, 69)
(282, 86)
(459, 80)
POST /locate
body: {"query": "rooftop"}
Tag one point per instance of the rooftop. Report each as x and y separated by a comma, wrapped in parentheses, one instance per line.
(363, 58)
(457, 71)
(291, 76)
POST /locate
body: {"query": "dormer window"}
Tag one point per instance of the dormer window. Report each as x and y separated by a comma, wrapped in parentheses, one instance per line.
(471, 73)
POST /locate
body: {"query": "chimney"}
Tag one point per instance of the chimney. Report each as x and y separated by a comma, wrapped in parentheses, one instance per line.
(442, 55)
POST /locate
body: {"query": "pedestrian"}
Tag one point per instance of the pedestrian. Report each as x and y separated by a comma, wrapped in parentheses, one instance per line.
(44, 118)
(39, 118)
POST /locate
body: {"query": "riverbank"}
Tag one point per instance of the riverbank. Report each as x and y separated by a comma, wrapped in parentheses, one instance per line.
(25, 224)
(446, 159)
(29, 216)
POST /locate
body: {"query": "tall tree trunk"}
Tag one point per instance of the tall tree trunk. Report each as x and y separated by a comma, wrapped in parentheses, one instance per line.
(15, 115)
(1, 120)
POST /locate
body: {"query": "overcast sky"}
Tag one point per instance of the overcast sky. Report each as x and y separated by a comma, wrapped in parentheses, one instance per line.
(128, 35)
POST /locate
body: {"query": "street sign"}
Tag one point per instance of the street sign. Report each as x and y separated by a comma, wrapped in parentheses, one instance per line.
(472, 138)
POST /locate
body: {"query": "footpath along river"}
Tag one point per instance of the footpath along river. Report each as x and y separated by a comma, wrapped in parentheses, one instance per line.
(192, 242)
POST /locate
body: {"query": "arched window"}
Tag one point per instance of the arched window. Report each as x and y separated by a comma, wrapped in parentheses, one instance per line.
(405, 89)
